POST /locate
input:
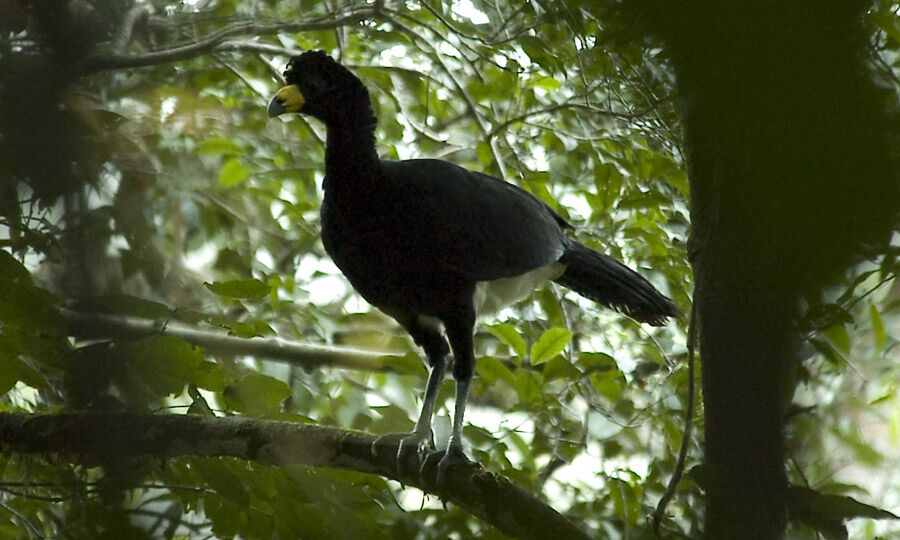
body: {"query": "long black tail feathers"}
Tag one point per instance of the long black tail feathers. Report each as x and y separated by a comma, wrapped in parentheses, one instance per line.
(610, 283)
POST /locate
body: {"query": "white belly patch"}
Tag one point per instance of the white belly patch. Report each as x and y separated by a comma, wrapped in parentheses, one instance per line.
(492, 296)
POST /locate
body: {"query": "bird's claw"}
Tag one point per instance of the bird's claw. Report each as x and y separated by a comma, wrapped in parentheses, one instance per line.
(447, 459)
(416, 443)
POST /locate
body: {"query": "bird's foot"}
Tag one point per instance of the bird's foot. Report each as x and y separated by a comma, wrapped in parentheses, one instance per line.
(406, 446)
(442, 461)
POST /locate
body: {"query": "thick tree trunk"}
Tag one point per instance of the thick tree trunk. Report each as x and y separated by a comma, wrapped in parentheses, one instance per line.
(786, 138)
(746, 310)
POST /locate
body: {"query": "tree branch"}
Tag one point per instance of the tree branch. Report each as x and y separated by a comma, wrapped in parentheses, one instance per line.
(307, 355)
(490, 497)
(255, 47)
(134, 16)
(205, 45)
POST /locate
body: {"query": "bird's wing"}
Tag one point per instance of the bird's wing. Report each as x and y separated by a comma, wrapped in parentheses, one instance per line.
(478, 226)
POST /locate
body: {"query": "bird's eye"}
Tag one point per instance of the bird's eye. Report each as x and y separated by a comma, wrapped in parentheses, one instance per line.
(314, 86)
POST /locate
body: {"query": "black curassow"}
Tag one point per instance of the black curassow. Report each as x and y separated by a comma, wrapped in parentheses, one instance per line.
(431, 243)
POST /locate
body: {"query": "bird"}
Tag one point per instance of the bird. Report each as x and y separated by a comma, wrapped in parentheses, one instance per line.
(434, 245)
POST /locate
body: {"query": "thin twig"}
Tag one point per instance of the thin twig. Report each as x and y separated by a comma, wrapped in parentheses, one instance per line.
(688, 425)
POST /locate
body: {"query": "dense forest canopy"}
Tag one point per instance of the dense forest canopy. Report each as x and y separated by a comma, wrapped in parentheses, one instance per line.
(158, 231)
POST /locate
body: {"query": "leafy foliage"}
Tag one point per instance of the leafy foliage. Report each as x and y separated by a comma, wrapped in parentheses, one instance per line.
(172, 197)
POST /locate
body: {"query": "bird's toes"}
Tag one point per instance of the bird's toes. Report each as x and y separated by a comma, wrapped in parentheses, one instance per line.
(386, 443)
(412, 449)
(415, 443)
(409, 449)
(437, 465)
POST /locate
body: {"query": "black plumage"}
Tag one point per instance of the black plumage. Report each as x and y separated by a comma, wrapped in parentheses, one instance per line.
(424, 239)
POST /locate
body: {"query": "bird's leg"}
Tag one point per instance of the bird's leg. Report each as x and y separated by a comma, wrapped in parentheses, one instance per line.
(421, 438)
(454, 454)
(454, 445)
(459, 332)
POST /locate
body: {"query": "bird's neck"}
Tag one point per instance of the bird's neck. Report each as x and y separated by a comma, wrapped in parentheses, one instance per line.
(350, 151)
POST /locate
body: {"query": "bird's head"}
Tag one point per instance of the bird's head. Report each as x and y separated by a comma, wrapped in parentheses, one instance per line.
(320, 87)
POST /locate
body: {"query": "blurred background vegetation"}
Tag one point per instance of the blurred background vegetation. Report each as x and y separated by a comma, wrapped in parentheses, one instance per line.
(140, 177)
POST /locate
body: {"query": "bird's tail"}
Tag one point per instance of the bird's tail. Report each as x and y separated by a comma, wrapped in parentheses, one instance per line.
(606, 281)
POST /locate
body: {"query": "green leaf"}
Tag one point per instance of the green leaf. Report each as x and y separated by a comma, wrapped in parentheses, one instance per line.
(559, 368)
(827, 512)
(227, 519)
(626, 504)
(8, 375)
(490, 369)
(11, 270)
(839, 339)
(256, 394)
(13, 370)
(407, 364)
(527, 386)
(877, 327)
(537, 51)
(609, 384)
(545, 83)
(22, 303)
(551, 343)
(603, 373)
(246, 330)
(550, 304)
(233, 173)
(209, 376)
(163, 364)
(538, 187)
(218, 146)
(508, 334)
(390, 419)
(125, 304)
(888, 23)
(250, 289)
(485, 153)
(219, 475)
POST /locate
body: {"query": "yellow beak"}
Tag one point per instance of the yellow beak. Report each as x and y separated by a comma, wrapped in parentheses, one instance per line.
(287, 99)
